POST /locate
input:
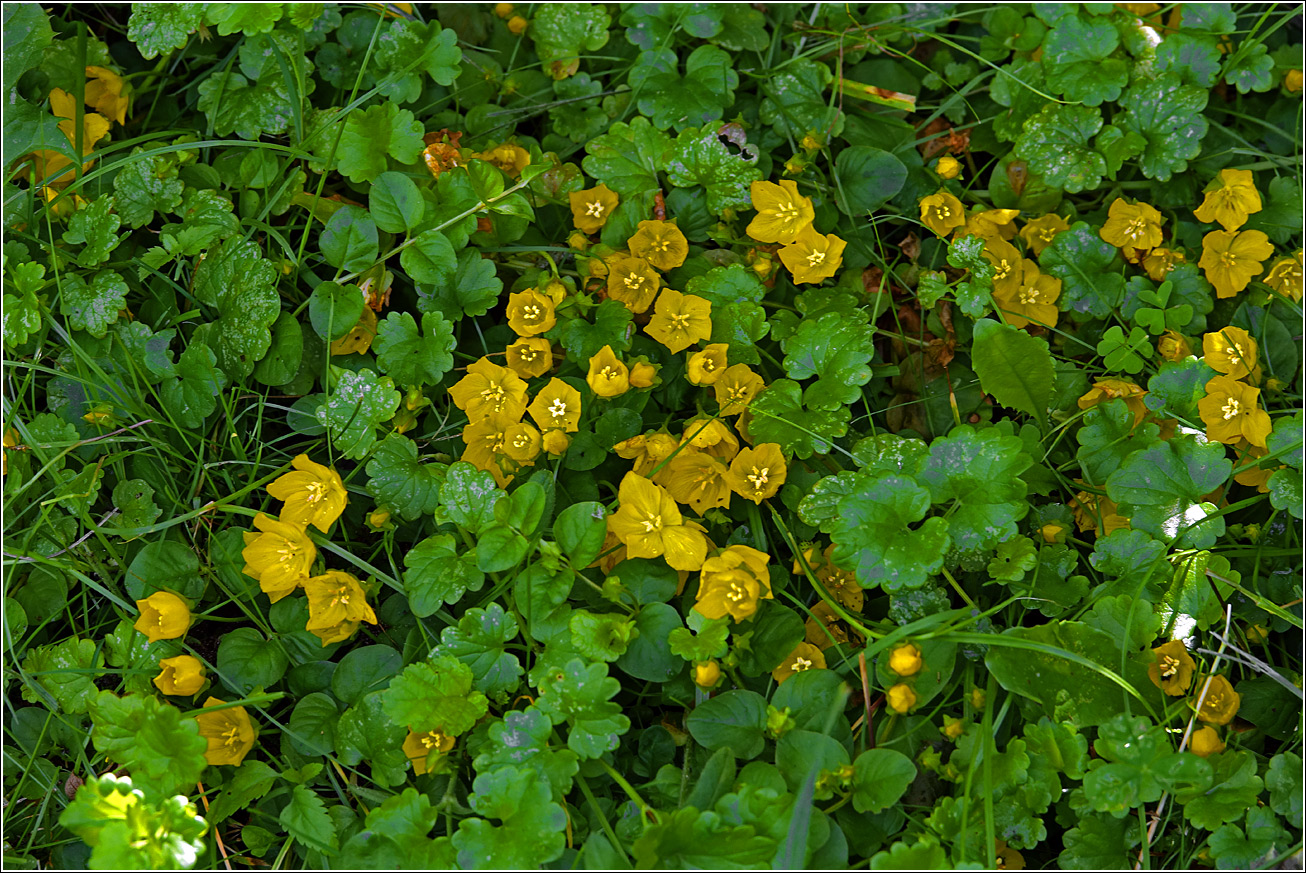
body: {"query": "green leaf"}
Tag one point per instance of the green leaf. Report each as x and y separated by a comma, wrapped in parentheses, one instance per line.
(333, 309)
(779, 417)
(1108, 437)
(691, 840)
(1077, 59)
(355, 408)
(562, 32)
(205, 218)
(193, 395)
(165, 565)
(699, 157)
(1137, 767)
(437, 574)
(469, 496)
(397, 479)
(27, 33)
(1055, 142)
(1168, 115)
(157, 28)
(479, 641)
(1284, 779)
(628, 157)
(1234, 848)
(409, 357)
(251, 781)
(980, 470)
(1014, 559)
(708, 642)
(534, 826)
(1089, 269)
(250, 109)
(1059, 744)
(872, 536)
(1194, 58)
(63, 673)
(1177, 387)
(22, 314)
(1014, 367)
(838, 350)
(93, 307)
(247, 661)
(796, 104)
(522, 738)
(580, 530)
(1129, 353)
(364, 733)
(305, 818)
(1161, 490)
(671, 100)
(738, 319)
(600, 637)
(150, 739)
(925, 854)
(1100, 842)
(1250, 68)
(1130, 621)
(430, 259)
(880, 778)
(95, 227)
(434, 694)
(579, 694)
(128, 831)
(311, 730)
(372, 134)
(282, 362)
(473, 290)
(241, 285)
(1233, 790)
(135, 499)
(349, 240)
(364, 670)
(146, 185)
(579, 121)
(868, 178)
(395, 203)
(649, 656)
(259, 19)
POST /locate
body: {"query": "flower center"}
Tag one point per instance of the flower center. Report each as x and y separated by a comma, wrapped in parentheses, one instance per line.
(652, 523)
(594, 208)
(680, 321)
(1047, 234)
(634, 281)
(758, 478)
(801, 664)
(528, 354)
(558, 408)
(430, 741)
(1169, 666)
(660, 245)
(943, 211)
(1001, 269)
(786, 212)
(1231, 409)
(494, 395)
(1235, 355)
(608, 373)
(709, 365)
(316, 490)
(1028, 296)
(736, 592)
(231, 737)
(521, 441)
(815, 259)
(1136, 228)
(532, 312)
(1228, 259)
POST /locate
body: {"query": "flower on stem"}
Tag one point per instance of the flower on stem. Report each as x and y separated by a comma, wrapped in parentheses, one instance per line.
(804, 657)
(509, 157)
(650, 525)
(591, 207)
(733, 583)
(229, 732)
(419, 747)
(608, 376)
(279, 557)
(782, 213)
(1219, 701)
(1033, 300)
(1007, 858)
(1231, 258)
(905, 660)
(1111, 389)
(530, 356)
(736, 388)
(1231, 412)
(1039, 233)
(1230, 198)
(990, 224)
(1007, 267)
(660, 243)
(1233, 352)
(901, 698)
(182, 675)
(707, 366)
(336, 597)
(841, 583)
(489, 389)
(707, 674)
(813, 257)
(313, 494)
(1205, 742)
(696, 480)
(1285, 276)
(164, 616)
(1173, 669)
(680, 320)
(756, 474)
(633, 281)
(643, 374)
(824, 629)
(712, 436)
(942, 213)
(1173, 346)
(487, 446)
(1132, 225)
(1160, 261)
(948, 167)
(530, 312)
(647, 450)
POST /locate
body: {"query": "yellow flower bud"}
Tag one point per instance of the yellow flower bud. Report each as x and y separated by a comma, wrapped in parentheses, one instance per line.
(556, 442)
(503, 10)
(1292, 81)
(952, 727)
(182, 675)
(1205, 742)
(977, 698)
(517, 24)
(643, 375)
(901, 698)
(707, 674)
(948, 167)
(905, 660)
(1053, 532)
(164, 616)
(1257, 633)
(379, 518)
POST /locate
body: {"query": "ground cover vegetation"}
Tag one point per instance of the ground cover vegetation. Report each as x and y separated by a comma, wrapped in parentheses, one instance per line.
(652, 435)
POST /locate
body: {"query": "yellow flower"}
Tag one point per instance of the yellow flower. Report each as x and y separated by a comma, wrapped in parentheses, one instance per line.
(487, 446)
(782, 213)
(1292, 81)
(360, 336)
(1219, 701)
(591, 208)
(1230, 259)
(312, 495)
(104, 93)
(1160, 261)
(813, 257)
(712, 436)
(517, 25)
(757, 474)
(942, 213)
(948, 167)
(680, 320)
(647, 450)
(607, 376)
(182, 675)
(1007, 857)
(1097, 513)
(1007, 268)
(736, 388)
(649, 524)
(660, 243)
(1233, 352)
(1173, 346)
(707, 674)
(643, 374)
(733, 583)
(164, 616)
(977, 698)
(503, 10)
(229, 732)
(1173, 669)
(1034, 299)
(509, 157)
(633, 281)
(379, 519)
(1134, 226)
(530, 312)
(530, 357)
(419, 747)
(522, 443)
(1231, 412)
(841, 584)
(1285, 276)
(336, 633)
(336, 597)
(1110, 389)
(1039, 233)
(94, 128)
(1054, 533)
(279, 557)
(696, 480)
(990, 224)
(901, 698)
(1230, 198)
(804, 657)
(489, 389)
(707, 366)
(823, 628)
(556, 442)
(905, 660)
(1253, 477)
(557, 407)
(1205, 742)
(952, 727)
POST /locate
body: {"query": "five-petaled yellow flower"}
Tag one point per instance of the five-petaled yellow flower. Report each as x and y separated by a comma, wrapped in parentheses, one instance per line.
(1233, 352)
(990, 224)
(607, 376)
(1173, 669)
(336, 597)
(633, 281)
(905, 660)
(279, 557)
(782, 213)
(1007, 267)
(556, 407)
(1230, 198)
(1132, 225)
(901, 698)
(841, 583)
(1039, 233)
(736, 388)
(509, 157)
(1160, 261)
(733, 583)
(313, 494)
(489, 389)
(1220, 703)
(712, 436)
(660, 243)
(757, 474)
(707, 366)
(530, 356)
(522, 442)
(1033, 300)
(229, 732)
(530, 312)
(419, 747)
(650, 525)
(1285, 276)
(680, 320)
(942, 212)
(804, 657)
(1173, 346)
(813, 257)
(1231, 412)
(487, 446)
(697, 480)
(1230, 259)
(182, 675)
(164, 616)
(647, 450)
(592, 207)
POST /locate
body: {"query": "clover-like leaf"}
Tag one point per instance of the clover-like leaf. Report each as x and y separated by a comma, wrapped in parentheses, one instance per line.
(580, 695)
(1233, 790)
(206, 216)
(1055, 142)
(872, 533)
(241, 284)
(129, 831)
(1161, 490)
(561, 32)
(95, 228)
(146, 185)
(193, 395)
(979, 470)
(437, 573)
(796, 101)
(353, 410)
(523, 738)
(398, 480)
(157, 28)
(778, 416)
(434, 694)
(472, 290)
(533, 829)
(835, 348)
(1236, 848)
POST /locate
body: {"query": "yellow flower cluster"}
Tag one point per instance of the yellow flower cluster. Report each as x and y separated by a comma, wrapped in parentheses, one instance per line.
(784, 216)
(107, 94)
(1173, 672)
(1230, 409)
